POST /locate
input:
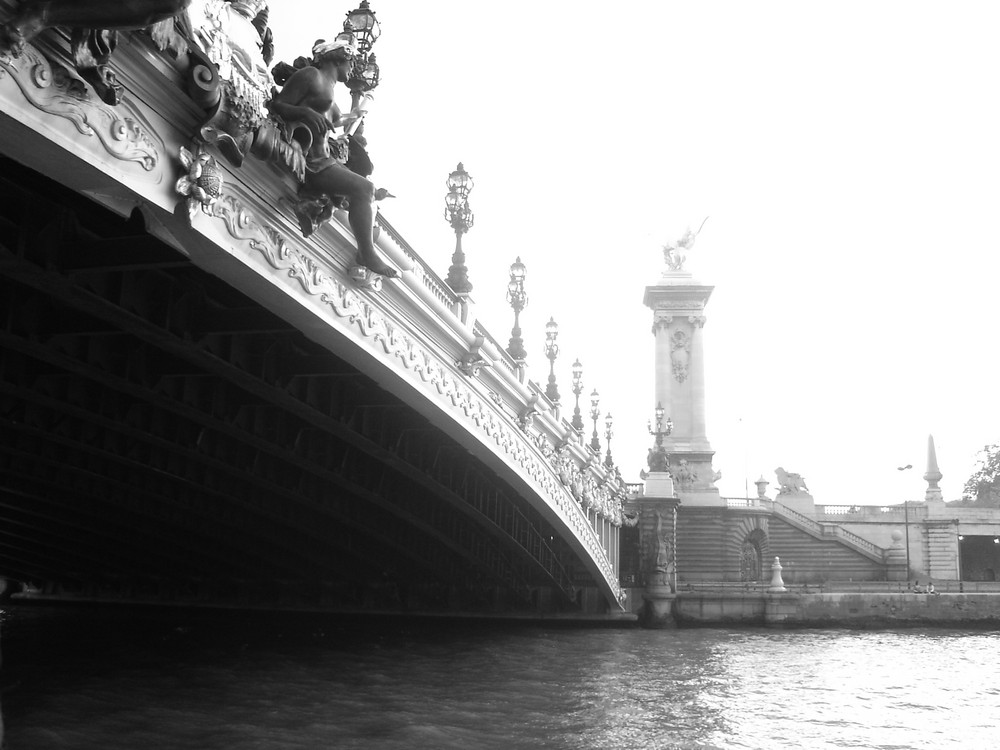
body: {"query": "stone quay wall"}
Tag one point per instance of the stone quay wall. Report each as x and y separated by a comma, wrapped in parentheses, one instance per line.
(838, 609)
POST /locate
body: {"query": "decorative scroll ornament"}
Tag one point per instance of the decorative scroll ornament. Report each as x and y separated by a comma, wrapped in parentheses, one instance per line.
(472, 361)
(365, 278)
(530, 409)
(203, 182)
(232, 80)
(56, 92)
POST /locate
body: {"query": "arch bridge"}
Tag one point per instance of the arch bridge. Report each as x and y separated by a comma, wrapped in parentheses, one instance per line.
(199, 405)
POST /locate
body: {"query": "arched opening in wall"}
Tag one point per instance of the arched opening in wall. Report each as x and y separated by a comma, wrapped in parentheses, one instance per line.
(979, 556)
(750, 561)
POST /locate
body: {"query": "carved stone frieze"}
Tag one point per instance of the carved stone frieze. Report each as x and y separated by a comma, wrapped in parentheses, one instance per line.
(684, 305)
(552, 476)
(54, 91)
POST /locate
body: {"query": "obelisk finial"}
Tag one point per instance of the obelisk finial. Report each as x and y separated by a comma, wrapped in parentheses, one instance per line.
(933, 474)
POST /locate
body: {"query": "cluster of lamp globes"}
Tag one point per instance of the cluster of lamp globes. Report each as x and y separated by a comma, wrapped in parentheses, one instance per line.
(362, 25)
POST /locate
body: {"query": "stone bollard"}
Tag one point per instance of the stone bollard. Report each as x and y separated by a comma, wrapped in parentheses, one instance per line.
(780, 606)
(777, 585)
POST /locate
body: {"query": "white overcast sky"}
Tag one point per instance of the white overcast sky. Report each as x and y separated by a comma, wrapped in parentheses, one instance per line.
(847, 154)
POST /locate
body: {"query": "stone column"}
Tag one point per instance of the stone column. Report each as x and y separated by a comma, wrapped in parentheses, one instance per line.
(933, 497)
(699, 433)
(678, 302)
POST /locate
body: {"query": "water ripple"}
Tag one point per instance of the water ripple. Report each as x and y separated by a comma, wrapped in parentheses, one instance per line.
(182, 680)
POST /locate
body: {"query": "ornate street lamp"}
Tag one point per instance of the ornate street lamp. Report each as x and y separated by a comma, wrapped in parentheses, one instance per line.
(608, 434)
(577, 421)
(658, 459)
(362, 24)
(552, 351)
(459, 215)
(517, 299)
(595, 413)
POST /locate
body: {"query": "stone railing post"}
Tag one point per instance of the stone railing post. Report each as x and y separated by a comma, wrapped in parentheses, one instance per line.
(895, 559)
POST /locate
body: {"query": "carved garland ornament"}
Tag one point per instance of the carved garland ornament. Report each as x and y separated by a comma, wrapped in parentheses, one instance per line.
(680, 352)
(346, 302)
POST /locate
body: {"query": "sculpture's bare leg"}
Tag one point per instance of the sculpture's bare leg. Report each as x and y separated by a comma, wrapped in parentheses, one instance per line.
(337, 180)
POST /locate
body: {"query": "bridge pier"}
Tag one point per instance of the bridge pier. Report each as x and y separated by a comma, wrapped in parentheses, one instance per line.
(657, 545)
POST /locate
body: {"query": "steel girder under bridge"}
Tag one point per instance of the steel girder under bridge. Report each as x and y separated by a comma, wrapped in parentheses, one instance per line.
(162, 436)
(196, 403)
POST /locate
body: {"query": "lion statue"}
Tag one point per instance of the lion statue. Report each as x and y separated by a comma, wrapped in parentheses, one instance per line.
(790, 482)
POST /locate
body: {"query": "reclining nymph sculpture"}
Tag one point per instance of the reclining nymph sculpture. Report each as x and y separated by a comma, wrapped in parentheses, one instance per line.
(306, 105)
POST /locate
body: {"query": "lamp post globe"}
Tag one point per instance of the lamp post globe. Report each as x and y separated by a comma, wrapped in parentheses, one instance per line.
(609, 464)
(658, 459)
(363, 26)
(518, 299)
(460, 217)
(552, 351)
(577, 420)
(362, 23)
(595, 414)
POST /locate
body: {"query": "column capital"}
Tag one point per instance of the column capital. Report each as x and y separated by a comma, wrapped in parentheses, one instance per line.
(661, 320)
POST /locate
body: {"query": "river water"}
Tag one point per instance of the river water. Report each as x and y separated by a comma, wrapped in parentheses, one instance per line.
(162, 679)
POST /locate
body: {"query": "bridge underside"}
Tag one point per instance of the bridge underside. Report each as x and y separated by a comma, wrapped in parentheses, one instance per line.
(163, 437)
